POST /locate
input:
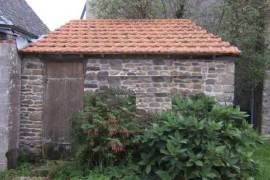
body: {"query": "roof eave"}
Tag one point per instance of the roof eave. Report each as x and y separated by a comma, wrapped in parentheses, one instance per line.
(24, 52)
(19, 30)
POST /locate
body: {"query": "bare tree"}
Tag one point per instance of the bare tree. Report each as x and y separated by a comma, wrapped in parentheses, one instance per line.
(203, 12)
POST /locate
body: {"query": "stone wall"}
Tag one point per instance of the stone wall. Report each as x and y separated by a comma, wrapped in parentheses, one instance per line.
(266, 106)
(32, 97)
(154, 80)
(9, 103)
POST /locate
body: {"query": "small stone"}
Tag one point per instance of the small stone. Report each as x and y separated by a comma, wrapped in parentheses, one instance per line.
(90, 76)
(155, 104)
(102, 76)
(116, 64)
(91, 86)
(37, 72)
(211, 70)
(162, 95)
(104, 61)
(196, 69)
(208, 88)
(31, 65)
(114, 82)
(153, 73)
(210, 81)
(152, 90)
(131, 74)
(159, 79)
(159, 62)
(103, 87)
(93, 68)
(197, 86)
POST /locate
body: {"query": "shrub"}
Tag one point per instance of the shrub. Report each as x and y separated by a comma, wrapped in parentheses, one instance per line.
(105, 128)
(199, 139)
(198, 105)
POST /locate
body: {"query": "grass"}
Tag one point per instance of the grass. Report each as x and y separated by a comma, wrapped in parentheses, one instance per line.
(42, 169)
(21, 171)
(262, 155)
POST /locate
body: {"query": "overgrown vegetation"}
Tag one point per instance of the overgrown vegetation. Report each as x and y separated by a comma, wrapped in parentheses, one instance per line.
(67, 170)
(197, 139)
(104, 130)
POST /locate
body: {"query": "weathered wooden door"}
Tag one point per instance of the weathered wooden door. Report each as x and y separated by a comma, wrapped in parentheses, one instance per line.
(64, 97)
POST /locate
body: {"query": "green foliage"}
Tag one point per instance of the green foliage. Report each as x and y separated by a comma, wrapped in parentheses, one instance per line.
(76, 171)
(105, 128)
(66, 171)
(262, 155)
(127, 172)
(22, 170)
(198, 105)
(243, 24)
(198, 139)
(216, 143)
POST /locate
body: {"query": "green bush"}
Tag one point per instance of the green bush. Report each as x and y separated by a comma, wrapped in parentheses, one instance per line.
(104, 130)
(199, 139)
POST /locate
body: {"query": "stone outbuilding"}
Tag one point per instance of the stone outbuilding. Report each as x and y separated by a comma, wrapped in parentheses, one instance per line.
(154, 58)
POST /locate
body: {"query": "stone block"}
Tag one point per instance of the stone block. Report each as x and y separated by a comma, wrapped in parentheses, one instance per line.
(210, 81)
(116, 64)
(93, 68)
(33, 65)
(102, 75)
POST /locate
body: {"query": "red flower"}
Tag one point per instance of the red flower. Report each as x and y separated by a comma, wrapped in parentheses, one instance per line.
(117, 147)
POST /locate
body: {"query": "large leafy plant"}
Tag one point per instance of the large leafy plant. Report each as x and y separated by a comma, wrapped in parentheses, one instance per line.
(105, 128)
(199, 139)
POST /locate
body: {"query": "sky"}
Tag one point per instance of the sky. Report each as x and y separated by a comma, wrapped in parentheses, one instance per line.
(55, 13)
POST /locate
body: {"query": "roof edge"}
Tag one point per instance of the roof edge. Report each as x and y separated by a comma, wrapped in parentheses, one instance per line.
(19, 30)
(129, 54)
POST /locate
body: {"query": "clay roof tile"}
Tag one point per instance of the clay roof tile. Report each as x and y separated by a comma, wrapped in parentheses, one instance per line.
(161, 36)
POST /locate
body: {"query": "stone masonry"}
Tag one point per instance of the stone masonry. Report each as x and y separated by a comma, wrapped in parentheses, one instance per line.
(266, 106)
(9, 102)
(154, 80)
(32, 105)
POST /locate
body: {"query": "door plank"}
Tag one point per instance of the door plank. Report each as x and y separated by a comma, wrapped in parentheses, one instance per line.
(64, 97)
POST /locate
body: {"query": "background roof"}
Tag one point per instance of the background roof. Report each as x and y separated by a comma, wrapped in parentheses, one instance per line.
(22, 15)
(159, 36)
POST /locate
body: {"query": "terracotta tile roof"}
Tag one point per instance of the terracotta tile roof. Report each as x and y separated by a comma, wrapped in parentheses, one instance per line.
(167, 36)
